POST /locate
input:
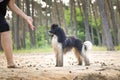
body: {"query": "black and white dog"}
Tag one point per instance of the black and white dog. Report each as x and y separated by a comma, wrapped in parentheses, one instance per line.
(61, 44)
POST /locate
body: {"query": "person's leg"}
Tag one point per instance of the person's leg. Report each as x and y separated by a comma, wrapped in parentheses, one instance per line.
(6, 42)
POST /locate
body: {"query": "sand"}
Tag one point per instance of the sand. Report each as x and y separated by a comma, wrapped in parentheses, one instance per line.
(104, 65)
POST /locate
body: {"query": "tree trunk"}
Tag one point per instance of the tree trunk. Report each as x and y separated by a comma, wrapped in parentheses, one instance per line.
(46, 26)
(71, 17)
(85, 10)
(94, 9)
(57, 11)
(17, 39)
(105, 27)
(63, 21)
(75, 19)
(23, 32)
(13, 29)
(90, 20)
(114, 23)
(30, 31)
(54, 13)
(118, 6)
(34, 32)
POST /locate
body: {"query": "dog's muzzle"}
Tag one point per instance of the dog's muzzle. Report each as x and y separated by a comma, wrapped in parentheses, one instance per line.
(50, 33)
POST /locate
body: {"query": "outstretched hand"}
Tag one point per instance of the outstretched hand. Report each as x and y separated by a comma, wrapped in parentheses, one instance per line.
(30, 22)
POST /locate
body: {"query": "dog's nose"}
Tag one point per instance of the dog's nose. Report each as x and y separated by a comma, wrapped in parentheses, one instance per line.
(49, 31)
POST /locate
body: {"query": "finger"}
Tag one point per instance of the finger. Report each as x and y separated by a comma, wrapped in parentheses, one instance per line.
(32, 27)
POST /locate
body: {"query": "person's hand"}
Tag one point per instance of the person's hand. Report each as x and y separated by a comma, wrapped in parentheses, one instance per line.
(30, 22)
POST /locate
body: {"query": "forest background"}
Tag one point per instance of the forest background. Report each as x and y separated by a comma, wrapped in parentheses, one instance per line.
(95, 20)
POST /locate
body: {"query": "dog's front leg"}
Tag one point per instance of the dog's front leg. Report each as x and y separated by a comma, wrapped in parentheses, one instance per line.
(59, 60)
(59, 57)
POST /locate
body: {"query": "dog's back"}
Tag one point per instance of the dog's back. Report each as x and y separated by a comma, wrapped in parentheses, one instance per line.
(71, 42)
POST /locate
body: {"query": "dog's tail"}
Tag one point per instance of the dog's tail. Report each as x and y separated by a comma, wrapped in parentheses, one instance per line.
(87, 45)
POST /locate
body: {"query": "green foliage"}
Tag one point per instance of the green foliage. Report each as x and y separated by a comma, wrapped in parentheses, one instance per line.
(81, 35)
(80, 26)
(79, 16)
(67, 16)
(37, 50)
(27, 39)
(41, 41)
(117, 47)
(103, 48)
(99, 48)
(41, 37)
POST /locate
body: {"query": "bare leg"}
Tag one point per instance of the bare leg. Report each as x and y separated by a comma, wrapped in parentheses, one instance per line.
(6, 42)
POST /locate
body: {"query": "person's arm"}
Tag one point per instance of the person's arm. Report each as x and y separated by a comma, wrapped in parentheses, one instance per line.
(18, 11)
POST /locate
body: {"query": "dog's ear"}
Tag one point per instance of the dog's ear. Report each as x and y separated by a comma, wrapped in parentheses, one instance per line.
(53, 26)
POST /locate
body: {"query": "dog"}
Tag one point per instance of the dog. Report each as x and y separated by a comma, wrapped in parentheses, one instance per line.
(62, 44)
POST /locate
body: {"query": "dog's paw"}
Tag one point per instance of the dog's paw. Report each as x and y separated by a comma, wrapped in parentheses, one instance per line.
(88, 64)
(79, 63)
(58, 65)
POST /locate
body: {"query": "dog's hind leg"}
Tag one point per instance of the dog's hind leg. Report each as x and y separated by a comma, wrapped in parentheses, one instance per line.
(86, 60)
(78, 56)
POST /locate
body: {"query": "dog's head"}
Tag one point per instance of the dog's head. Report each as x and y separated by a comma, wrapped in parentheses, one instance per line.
(58, 31)
(54, 29)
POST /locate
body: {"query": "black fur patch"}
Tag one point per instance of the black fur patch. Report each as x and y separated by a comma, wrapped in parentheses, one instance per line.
(67, 42)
